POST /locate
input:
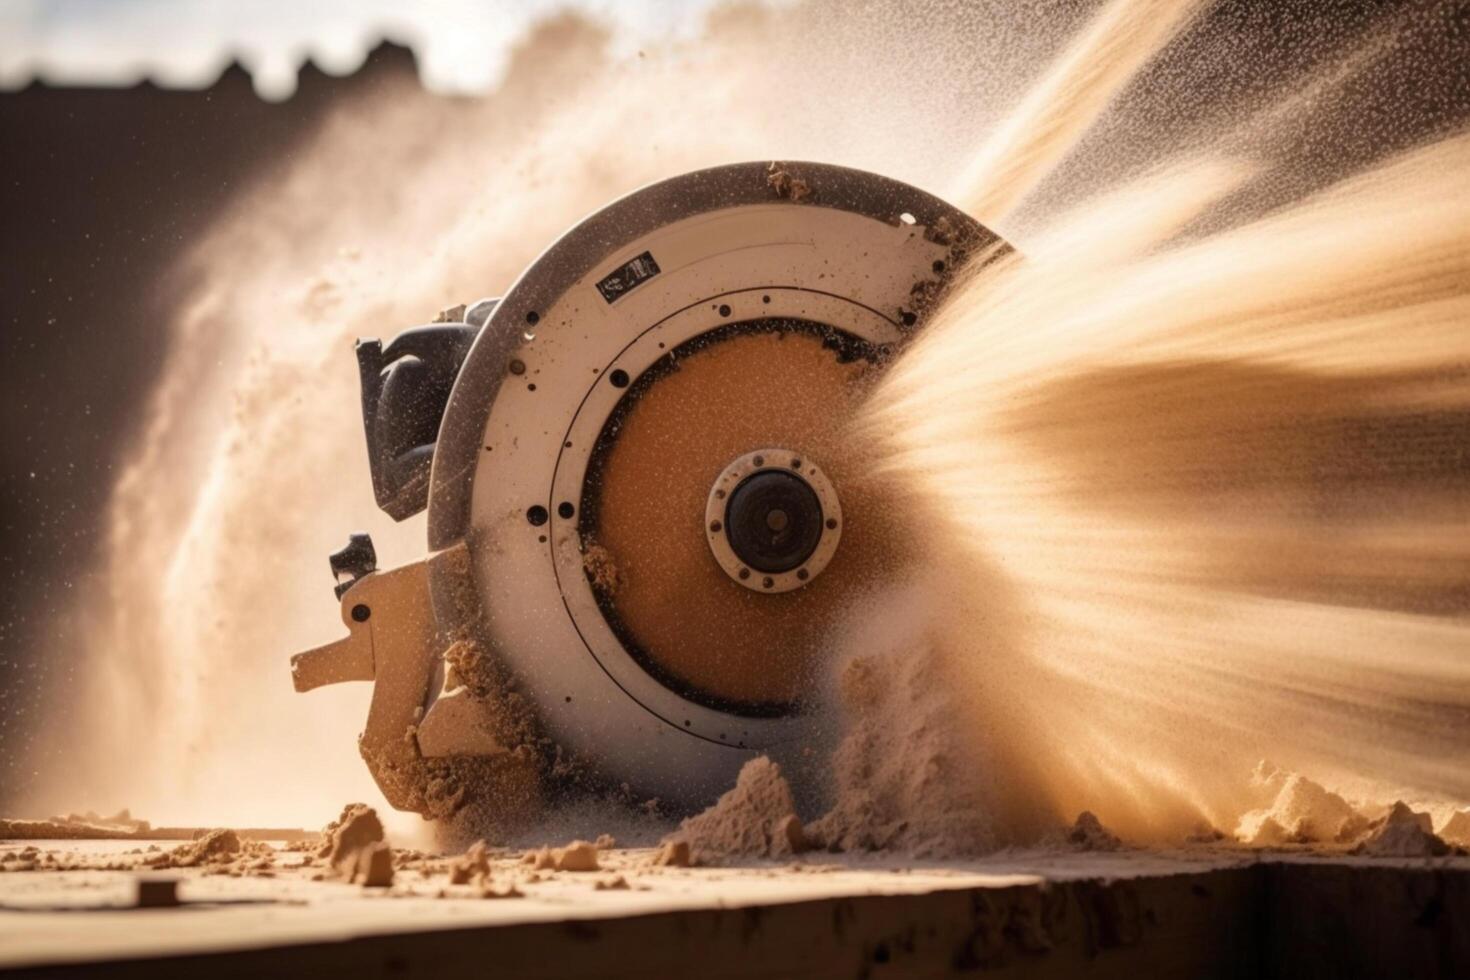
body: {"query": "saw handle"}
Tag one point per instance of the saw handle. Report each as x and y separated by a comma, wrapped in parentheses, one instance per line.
(348, 659)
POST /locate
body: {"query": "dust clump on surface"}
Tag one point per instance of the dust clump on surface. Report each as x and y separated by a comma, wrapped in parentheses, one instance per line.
(579, 855)
(756, 818)
(374, 866)
(617, 883)
(674, 854)
(358, 824)
(1301, 812)
(355, 847)
(215, 847)
(1402, 833)
(1088, 834)
(220, 851)
(473, 863)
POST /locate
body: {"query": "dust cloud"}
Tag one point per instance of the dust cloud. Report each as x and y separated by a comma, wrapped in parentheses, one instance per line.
(1200, 499)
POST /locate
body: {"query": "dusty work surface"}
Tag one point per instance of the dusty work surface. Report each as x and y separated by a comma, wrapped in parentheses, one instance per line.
(1192, 913)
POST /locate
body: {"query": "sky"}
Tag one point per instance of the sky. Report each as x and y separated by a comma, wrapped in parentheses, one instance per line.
(462, 45)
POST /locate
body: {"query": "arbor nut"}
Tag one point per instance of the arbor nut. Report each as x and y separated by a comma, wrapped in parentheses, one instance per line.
(774, 511)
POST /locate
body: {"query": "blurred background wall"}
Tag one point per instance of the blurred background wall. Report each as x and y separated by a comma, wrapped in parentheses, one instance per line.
(110, 169)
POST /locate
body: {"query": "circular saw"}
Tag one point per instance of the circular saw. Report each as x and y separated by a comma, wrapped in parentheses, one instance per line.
(648, 510)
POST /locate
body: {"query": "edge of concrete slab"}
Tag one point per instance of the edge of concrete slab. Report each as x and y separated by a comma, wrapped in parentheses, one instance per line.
(1266, 919)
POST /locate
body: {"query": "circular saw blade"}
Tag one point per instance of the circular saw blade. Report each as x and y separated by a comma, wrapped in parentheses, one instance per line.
(772, 382)
(640, 339)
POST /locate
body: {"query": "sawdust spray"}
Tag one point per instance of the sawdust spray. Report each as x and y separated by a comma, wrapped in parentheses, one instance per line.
(1197, 499)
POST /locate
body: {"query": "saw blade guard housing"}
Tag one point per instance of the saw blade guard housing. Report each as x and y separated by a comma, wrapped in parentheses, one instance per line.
(644, 516)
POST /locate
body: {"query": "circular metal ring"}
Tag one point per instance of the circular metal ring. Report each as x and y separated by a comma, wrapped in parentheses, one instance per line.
(766, 461)
(509, 441)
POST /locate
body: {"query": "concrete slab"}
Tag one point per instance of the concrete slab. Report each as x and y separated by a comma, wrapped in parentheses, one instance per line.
(1196, 913)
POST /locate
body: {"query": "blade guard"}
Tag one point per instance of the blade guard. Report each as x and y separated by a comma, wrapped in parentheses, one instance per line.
(394, 640)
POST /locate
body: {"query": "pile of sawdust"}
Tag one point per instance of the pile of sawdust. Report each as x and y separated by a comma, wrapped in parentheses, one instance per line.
(1088, 834)
(1301, 812)
(757, 818)
(215, 847)
(1402, 833)
(221, 851)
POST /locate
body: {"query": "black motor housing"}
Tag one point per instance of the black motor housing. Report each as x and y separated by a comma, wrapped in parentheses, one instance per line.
(405, 388)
